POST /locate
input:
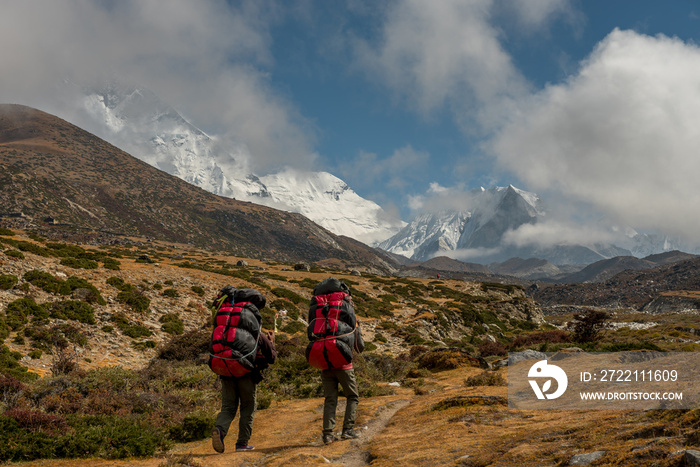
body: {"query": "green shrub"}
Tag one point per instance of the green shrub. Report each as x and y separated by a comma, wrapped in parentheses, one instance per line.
(172, 324)
(7, 281)
(79, 263)
(4, 329)
(17, 312)
(172, 293)
(131, 330)
(630, 346)
(198, 290)
(193, 428)
(6, 232)
(288, 294)
(10, 366)
(112, 437)
(134, 299)
(14, 254)
(43, 280)
(73, 283)
(34, 248)
(294, 327)
(72, 309)
(116, 282)
(144, 345)
(64, 250)
(186, 347)
(111, 264)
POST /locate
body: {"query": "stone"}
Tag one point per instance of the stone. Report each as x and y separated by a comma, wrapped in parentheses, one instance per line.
(691, 458)
(587, 458)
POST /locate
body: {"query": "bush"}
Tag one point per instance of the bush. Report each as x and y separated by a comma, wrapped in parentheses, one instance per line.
(444, 359)
(131, 330)
(17, 312)
(587, 326)
(116, 282)
(34, 248)
(187, 347)
(485, 378)
(73, 283)
(9, 366)
(14, 254)
(294, 327)
(488, 349)
(7, 281)
(288, 294)
(172, 293)
(111, 264)
(193, 428)
(6, 232)
(43, 280)
(172, 324)
(556, 336)
(79, 263)
(71, 309)
(134, 299)
(198, 290)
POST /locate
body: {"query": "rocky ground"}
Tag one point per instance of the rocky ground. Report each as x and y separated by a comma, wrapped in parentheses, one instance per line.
(432, 419)
(446, 423)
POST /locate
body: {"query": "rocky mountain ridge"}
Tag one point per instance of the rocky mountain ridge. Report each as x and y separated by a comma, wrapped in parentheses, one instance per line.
(630, 288)
(55, 172)
(138, 121)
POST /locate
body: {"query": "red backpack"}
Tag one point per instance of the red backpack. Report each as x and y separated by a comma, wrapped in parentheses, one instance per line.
(237, 326)
(331, 329)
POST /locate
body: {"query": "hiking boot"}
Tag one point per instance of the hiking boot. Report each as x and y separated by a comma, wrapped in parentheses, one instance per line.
(244, 447)
(328, 439)
(217, 440)
(350, 434)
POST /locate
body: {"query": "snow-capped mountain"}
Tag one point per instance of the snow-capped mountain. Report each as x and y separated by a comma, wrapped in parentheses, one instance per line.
(477, 234)
(492, 213)
(137, 121)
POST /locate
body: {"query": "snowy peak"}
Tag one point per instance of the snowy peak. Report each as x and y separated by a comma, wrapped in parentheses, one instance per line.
(330, 202)
(137, 121)
(489, 215)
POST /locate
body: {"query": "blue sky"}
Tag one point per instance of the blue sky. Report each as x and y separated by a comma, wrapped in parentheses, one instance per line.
(591, 104)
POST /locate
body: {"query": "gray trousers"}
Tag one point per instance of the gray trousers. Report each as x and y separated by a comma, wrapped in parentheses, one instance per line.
(330, 380)
(235, 391)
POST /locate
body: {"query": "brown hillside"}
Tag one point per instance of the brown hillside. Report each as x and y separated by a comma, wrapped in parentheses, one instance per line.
(50, 168)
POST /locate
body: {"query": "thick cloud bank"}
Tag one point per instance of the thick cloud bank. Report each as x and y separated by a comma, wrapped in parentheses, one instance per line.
(621, 135)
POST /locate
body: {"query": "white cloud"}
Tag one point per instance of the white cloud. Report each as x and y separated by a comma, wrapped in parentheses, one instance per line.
(207, 58)
(444, 53)
(555, 232)
(621, 135)
(536, 14)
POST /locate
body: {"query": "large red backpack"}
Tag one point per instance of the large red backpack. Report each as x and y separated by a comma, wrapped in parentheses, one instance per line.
(331, 326)
(237, 325)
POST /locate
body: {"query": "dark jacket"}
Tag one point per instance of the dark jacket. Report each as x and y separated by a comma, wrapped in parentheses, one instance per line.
(266, 356)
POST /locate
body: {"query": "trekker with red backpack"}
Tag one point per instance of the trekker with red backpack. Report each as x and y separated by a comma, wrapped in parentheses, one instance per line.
(333, 335)
(239, 351)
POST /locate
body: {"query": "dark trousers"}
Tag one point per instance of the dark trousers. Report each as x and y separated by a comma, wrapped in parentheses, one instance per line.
(331, 379)
(235, 391)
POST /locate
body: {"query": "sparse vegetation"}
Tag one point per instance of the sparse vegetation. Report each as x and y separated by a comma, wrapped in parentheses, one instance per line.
(7, 281)
(444, 326)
